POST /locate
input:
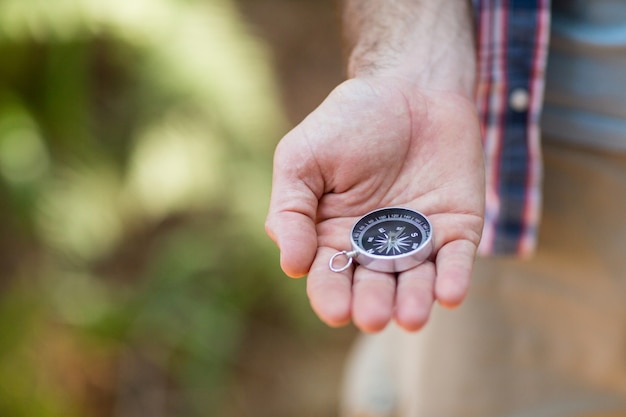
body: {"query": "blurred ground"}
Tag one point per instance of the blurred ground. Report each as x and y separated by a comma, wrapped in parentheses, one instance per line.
(281, 373)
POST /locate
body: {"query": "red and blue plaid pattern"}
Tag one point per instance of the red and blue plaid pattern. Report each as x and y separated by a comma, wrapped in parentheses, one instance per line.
(512, 39)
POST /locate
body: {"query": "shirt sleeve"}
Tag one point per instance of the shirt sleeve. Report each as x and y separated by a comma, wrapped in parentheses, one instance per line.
(512, 43)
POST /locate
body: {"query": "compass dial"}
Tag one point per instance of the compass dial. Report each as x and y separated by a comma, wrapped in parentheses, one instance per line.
(392, 239)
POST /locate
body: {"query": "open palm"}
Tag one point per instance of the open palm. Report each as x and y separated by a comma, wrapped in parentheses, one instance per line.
(375, 143)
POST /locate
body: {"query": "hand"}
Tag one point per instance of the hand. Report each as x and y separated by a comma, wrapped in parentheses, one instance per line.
(375, 142)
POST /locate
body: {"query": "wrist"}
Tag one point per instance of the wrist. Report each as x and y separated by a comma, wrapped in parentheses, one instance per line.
(428, 45)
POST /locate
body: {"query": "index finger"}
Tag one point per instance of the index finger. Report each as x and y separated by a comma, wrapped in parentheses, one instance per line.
(330, 293)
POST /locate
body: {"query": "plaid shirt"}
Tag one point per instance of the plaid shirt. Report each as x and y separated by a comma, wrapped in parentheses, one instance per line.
(512, 52)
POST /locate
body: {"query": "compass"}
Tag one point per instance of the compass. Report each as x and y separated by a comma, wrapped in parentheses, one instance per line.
(391, 239)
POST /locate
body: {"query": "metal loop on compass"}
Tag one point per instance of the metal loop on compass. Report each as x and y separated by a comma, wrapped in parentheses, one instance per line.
(350, 255)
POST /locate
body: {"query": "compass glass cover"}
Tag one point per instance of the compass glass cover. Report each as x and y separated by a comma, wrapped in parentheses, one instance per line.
(391, 232)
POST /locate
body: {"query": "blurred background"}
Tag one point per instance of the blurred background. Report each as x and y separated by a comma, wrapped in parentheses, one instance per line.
(136, 140)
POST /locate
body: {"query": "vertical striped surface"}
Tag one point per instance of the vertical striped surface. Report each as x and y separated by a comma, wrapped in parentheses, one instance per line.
(512, 50)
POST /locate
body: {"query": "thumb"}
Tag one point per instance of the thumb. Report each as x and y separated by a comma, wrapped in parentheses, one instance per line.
(295, 235)
(293, 207)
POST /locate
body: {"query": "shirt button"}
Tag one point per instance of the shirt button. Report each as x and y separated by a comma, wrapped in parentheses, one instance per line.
(519, 99)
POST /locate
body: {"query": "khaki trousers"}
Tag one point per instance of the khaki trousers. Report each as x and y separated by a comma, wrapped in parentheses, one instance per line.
(539, 337)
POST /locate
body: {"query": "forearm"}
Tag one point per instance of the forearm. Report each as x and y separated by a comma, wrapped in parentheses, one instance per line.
(429, 43)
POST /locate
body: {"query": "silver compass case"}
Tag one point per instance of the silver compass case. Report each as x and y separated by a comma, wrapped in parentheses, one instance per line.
(392, 239)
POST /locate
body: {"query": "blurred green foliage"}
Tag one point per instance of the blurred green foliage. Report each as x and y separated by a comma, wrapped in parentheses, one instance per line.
(135, 148)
